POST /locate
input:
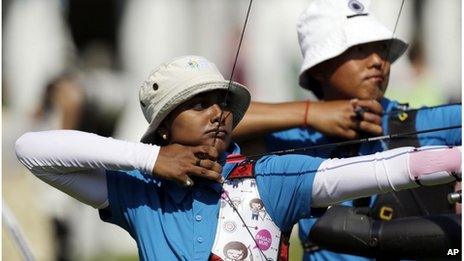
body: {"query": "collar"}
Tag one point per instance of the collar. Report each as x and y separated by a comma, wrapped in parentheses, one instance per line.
(389, 105)
(178, 193)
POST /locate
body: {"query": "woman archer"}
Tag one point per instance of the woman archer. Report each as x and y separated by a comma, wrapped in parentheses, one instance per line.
(184, 102)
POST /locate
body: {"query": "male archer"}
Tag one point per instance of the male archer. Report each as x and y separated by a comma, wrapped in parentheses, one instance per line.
(347, 56)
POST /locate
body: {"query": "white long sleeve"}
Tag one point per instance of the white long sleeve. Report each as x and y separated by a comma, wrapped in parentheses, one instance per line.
(75, 162)
(338, 180)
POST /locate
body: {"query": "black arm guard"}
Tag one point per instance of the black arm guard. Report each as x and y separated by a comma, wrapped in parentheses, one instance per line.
(343, 230)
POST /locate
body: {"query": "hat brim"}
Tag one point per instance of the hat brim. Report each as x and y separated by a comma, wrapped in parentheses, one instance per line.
(239, 97)
(352, 34)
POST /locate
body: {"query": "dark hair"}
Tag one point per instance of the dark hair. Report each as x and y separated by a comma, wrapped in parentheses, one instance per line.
(238, 246)
(156, 139)
(256, 200)
(310, 83)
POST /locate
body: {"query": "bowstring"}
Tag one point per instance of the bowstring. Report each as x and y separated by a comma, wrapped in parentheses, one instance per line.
(224, 104)
(231, 203)
(388, 53)
(223, 107)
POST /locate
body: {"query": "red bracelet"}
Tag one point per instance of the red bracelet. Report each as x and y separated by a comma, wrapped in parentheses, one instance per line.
(305, 122)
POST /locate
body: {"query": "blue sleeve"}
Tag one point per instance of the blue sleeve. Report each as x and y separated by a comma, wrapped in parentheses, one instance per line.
(285, 186)
(126, 191)
(438, 118)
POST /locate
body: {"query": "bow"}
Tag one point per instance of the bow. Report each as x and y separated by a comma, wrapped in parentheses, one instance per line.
(229, 200)
(399, 112)
(242, 159)
(233, 68)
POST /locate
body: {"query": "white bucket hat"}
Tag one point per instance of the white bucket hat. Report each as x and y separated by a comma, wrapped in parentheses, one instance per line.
(327, 28)
(177, 81)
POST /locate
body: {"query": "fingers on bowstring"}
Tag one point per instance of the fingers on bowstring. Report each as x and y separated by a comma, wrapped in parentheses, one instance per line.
(354, 103)
(370, 127)
(348, 131)
(205, 173)
(205, 152)
(357, 111)
(209, 165)
(372, 118)
(350, 134)
(371, 106)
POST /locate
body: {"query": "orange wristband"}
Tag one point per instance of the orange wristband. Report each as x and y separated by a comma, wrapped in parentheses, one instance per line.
(305, 122)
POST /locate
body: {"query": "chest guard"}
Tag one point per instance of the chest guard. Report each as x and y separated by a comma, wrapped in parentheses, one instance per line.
(252, 235)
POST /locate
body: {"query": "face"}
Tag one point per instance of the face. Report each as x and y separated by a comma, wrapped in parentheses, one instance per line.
(360, 72)
(255, 205)
(201, 121)
(236, 202)
(234, 254)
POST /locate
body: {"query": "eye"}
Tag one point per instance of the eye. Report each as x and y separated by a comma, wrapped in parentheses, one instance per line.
(225, 104)
(199, 105)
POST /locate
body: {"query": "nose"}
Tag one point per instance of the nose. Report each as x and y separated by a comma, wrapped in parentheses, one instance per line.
(216, 113)
(377, 60)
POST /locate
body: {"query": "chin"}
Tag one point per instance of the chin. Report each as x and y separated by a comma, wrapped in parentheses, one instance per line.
(221, 145)
(372, 93)
(378, 95)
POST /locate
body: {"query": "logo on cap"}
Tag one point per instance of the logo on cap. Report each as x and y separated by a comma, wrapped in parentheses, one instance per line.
(193, 64)
(356, 6)
(197, 63)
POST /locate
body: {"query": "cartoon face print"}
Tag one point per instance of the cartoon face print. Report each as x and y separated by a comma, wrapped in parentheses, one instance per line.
(256, 206)
(234, 254)
(236, 202)
(235, 251)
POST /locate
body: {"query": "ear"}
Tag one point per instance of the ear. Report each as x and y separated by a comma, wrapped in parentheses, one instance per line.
(163, 132)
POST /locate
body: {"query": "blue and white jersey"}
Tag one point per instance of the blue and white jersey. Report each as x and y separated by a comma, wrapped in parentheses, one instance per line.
(170, 222)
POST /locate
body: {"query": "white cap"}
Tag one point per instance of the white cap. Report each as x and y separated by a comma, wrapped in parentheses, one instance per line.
(327, 28)
(177, 81)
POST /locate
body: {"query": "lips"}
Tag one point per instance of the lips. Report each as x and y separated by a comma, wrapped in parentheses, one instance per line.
(218, 133)
(375, 76)
(378, 78)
